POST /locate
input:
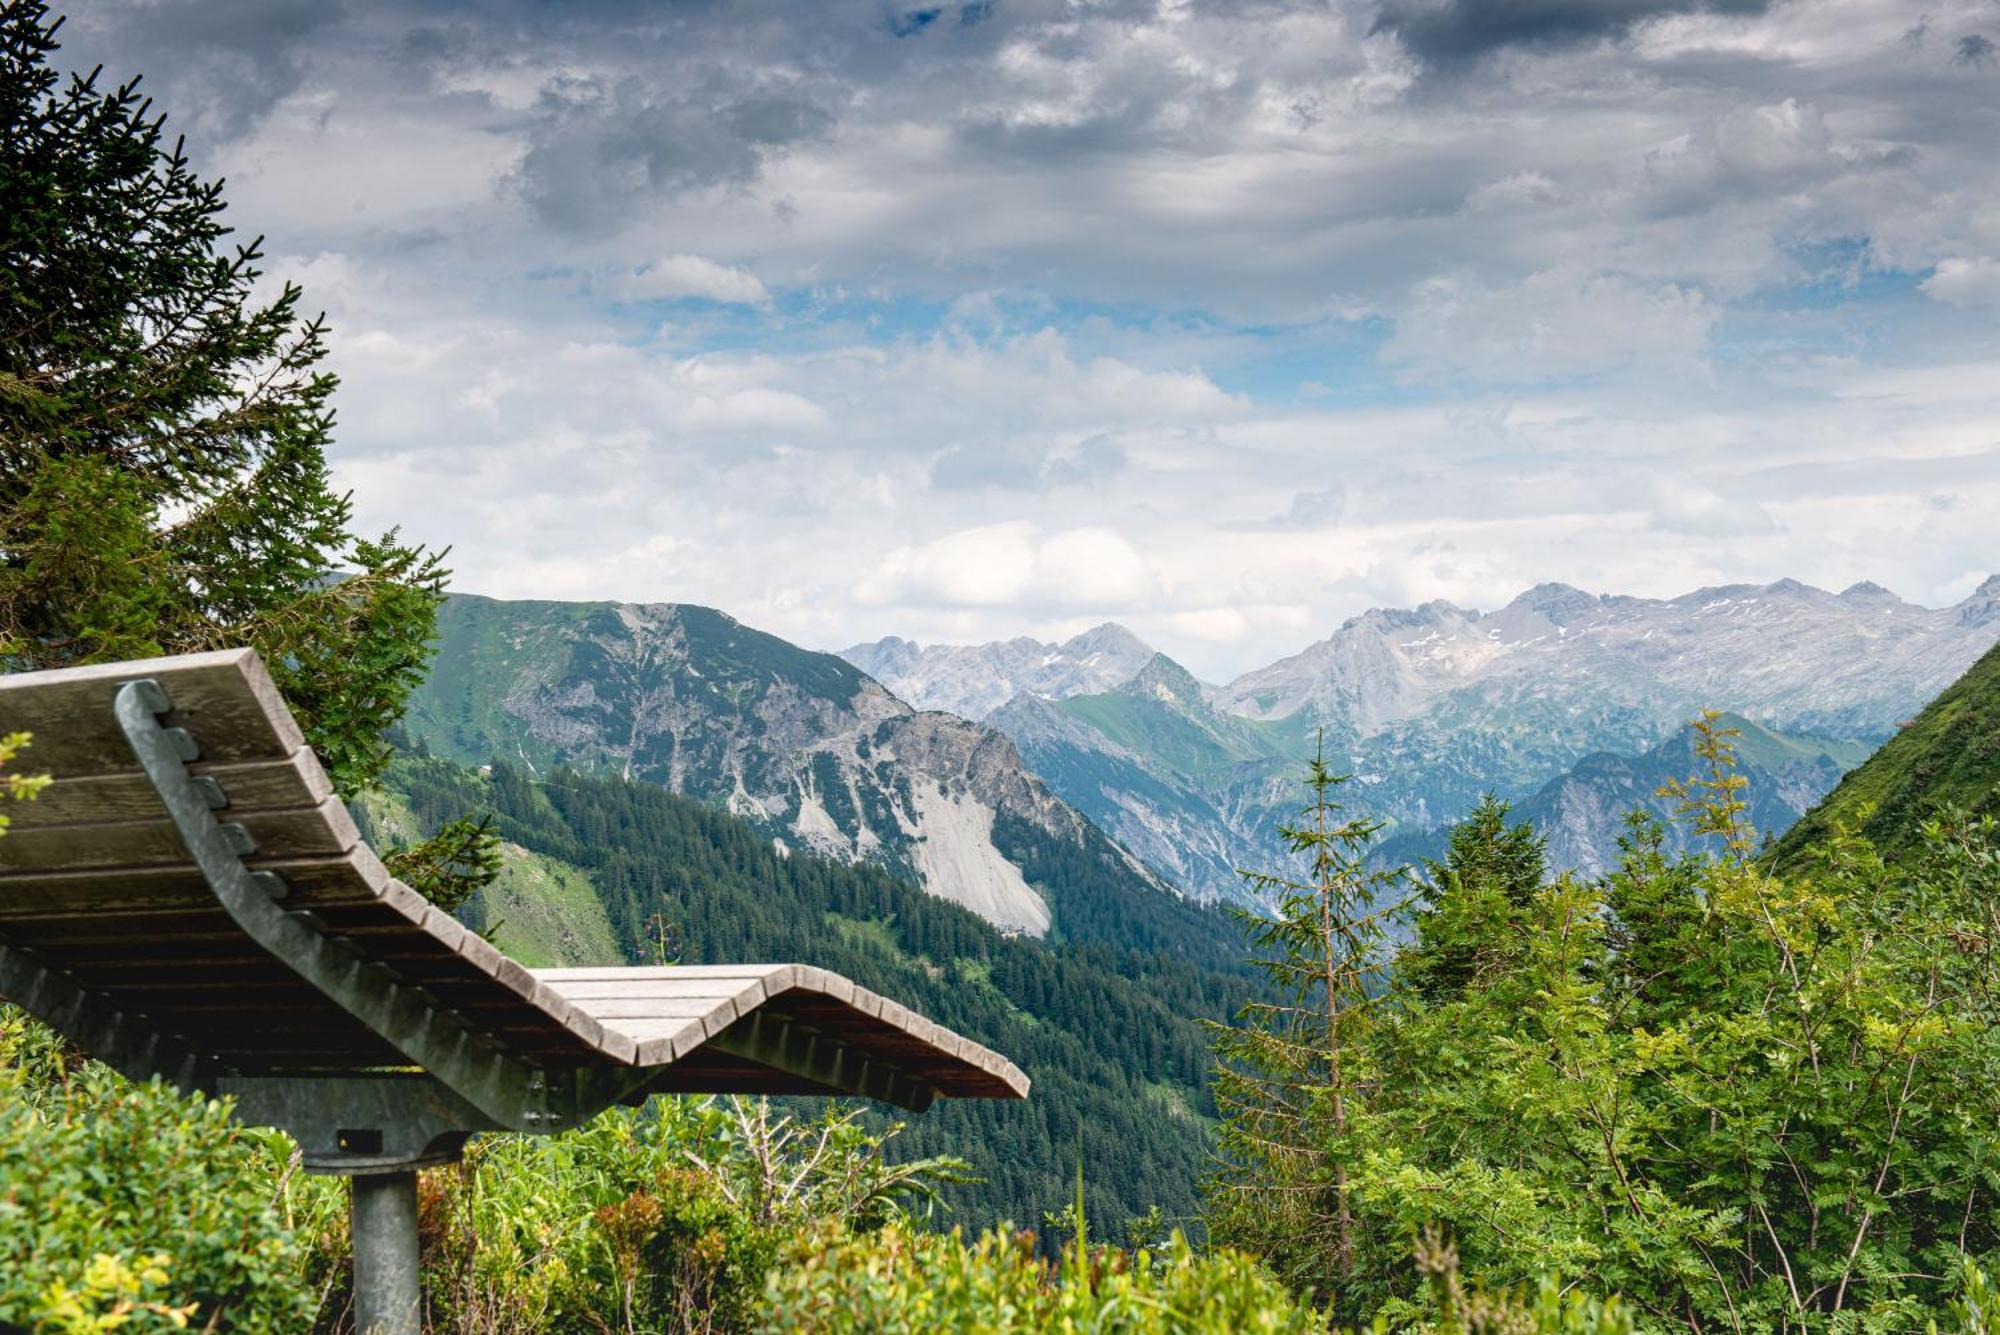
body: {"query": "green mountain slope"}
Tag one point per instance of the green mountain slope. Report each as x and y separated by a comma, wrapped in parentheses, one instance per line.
(540, 910)
(1110, 1036)
(1949, 755)
(800, 744)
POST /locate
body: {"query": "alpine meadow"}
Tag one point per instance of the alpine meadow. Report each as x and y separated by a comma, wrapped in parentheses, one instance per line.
(1161, 667)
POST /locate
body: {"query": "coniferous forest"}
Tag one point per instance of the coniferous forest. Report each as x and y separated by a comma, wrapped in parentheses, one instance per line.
(1113, 1038)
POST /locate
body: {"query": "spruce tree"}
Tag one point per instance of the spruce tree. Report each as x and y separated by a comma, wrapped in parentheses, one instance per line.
(163, 431)
(1473, 902)
(1293, 1073)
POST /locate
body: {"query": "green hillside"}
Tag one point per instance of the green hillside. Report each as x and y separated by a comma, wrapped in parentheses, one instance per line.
(540, 910)
(1111, 1037)
(1162, 715)
(1948, 756)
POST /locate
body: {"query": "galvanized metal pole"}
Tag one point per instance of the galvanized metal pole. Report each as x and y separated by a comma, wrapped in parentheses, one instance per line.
(387, 1292)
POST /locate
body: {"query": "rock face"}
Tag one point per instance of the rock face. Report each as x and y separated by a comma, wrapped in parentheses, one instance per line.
(1429, 707)
(803, 744)
(974, 680)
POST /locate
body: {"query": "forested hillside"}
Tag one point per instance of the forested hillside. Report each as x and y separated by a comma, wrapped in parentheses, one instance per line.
(1109, 1035)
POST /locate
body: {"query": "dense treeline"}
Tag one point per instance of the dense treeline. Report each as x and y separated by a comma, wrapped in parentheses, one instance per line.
(1111, 1038)
(1742, 1101)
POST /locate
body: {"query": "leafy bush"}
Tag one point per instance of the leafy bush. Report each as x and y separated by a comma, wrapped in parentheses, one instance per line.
(117, 1192)
(901, 1280)
(662, 1219)
(114, 1294)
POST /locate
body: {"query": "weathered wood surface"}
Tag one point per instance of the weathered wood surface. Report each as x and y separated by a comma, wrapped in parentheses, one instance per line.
(95, 883)
(672, 1009)
(225, 698)
(294, 781)
(325, 830)
(354, 877)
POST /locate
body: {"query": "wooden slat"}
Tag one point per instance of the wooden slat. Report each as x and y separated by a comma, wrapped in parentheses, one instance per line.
(296, 781)
(655, 1031)
(617, 1011)
(321, 831)
(621, 973)
(353, 878)
(225, 698)
(592, 994)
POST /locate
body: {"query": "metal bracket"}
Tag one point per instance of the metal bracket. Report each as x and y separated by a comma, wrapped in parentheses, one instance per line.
(360, 1124)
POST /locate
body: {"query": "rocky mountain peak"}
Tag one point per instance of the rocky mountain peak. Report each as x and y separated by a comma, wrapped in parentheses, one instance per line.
(1983, 607)
(1164, 679)
(1558, 604)
(1109, 638)
(974, 680)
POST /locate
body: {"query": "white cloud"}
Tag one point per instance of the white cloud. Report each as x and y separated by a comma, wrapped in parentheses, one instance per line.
(694, 276)
(1050, 284)
(1014, 565)
(1965, 281)
(1553, 325)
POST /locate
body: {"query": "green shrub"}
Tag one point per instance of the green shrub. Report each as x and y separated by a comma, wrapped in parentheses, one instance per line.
(665, 1219)
(902, 1279)
(113, 1294)
(155, 1194)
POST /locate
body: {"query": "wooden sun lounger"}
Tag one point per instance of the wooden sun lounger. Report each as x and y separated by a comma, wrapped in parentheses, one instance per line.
(189, 900)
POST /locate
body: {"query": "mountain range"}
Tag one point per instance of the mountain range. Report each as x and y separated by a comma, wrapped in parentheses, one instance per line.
(1100, 776)
(1430, 707)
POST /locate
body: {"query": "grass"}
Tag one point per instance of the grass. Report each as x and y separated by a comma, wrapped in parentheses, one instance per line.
(547, 913)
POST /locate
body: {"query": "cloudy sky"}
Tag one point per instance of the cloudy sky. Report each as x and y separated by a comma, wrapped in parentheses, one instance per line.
(1226, 319)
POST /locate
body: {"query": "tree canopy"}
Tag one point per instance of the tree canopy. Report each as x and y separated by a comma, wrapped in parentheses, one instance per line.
(164, 422)
(1742, 1101)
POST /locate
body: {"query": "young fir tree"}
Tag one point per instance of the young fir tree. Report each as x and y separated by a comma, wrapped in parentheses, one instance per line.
(1294, 1073)
(1473, 902)
(163, 434)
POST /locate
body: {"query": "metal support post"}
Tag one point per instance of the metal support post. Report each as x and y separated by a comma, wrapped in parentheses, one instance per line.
(387, 1297)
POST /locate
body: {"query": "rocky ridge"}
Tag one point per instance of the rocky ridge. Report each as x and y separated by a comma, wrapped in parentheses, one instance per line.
(802, 744)
(1429, 707)
(974, 680)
